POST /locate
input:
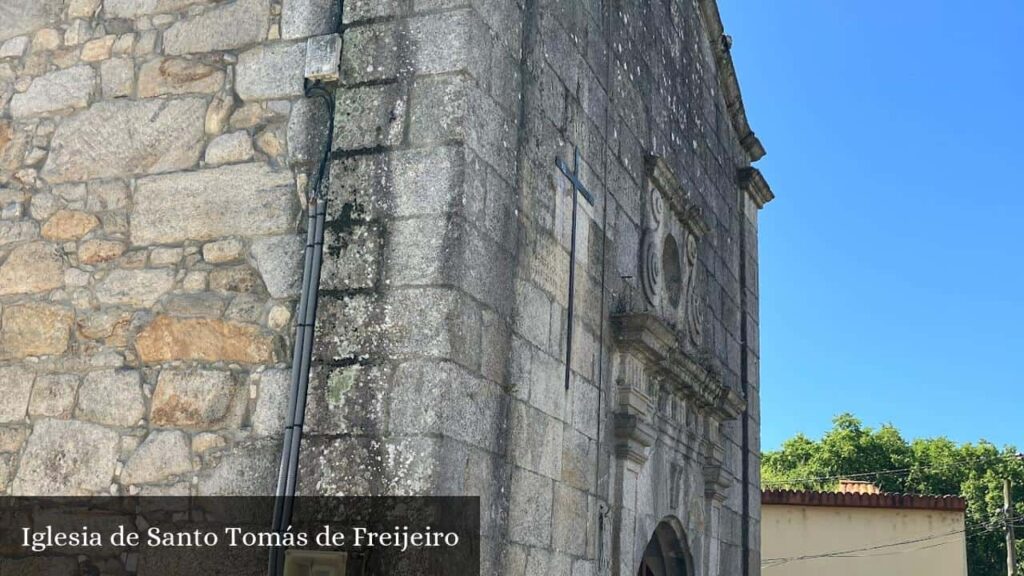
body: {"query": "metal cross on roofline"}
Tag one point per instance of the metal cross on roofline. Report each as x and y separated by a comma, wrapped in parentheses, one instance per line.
(577, 188)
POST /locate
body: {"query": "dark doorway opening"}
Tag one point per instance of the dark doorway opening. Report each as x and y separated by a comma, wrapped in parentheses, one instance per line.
(665, 554)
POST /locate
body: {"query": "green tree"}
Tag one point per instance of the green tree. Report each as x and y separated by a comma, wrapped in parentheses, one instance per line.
(924, 466)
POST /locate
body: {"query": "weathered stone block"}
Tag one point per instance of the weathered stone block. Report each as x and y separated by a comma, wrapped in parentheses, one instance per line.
(347, 400)
(65, 458)
(35, 329)
(30, 268)
(6, 473)
(370, 116)
(439, 110)
(97, 251)
(14, 48)
(206, 441)
(124, 138)
(304, 18)
(250, 115)
(229, 149)
(278, 317)
(46, 39)
(537, 441)
(162, 257)
(441, 398)
(83, 8)
(271, 141)
(131, 9)
(434, 322)
(279, 260)
(359, 188)
(428, 181)
(445, 42)
(223, 251)
(67, 225)
(235, 279)
(358, 465)
(418, 252)
(106, 195)
(218, 113)
(198, 399)
(167, 339)
(136, 288)
(11, 439)
(353, 324)
(196, 205)
(19, 17)
(569, 521)
(15, 390)
(530, 509)
(248, 470)
(98, 49)
(226, 26)
(56, 91)
(163, 454)
(271, 71)
(578, 460)
(533, 314)
(356, 10)
(374, 52)
(352, 258)
(307, 131)
(111, 397)
(272, 403)
(53, 395)
(178, 76)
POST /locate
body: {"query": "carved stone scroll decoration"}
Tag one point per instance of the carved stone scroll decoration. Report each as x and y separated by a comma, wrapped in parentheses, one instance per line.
(696, 302)
(668, 388)
(672, 277)
(650, 256)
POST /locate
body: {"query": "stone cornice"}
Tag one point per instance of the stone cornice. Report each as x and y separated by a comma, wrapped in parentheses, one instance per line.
(657, 344)
(753, 183)
(720, 44)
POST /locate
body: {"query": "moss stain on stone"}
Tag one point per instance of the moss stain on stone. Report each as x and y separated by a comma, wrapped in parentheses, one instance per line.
(339, 383)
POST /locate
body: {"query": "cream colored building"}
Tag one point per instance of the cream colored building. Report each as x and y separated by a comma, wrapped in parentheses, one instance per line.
(862, 534)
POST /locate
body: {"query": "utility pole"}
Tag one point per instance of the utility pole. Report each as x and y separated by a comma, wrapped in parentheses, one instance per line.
(1011, 552)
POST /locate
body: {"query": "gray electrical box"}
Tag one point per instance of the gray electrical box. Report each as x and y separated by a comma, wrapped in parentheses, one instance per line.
(315, 563)
(323, 58)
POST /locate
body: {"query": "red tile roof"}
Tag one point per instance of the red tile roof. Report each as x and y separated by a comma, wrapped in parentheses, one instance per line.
(854, 500)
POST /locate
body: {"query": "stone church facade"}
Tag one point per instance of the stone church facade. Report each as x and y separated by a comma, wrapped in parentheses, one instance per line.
(154, 160)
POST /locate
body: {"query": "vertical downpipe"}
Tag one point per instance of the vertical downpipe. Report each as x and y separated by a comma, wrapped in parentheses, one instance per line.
(302, 354)
(744, 382)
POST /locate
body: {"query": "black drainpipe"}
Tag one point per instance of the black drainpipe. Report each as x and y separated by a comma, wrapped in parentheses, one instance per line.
(302, 353)
(744, 382)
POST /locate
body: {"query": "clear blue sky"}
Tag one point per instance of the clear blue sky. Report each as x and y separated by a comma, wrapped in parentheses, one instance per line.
(892, 277)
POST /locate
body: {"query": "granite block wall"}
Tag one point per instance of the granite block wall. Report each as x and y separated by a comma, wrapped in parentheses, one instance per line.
(441, 366)
(154, 156)
(153, 161)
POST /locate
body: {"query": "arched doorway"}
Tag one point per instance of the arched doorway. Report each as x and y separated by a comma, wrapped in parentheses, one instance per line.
(666, 553)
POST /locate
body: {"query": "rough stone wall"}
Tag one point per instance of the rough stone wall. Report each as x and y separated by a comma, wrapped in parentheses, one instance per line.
(152, 154)
(443, 319)
(624, 81)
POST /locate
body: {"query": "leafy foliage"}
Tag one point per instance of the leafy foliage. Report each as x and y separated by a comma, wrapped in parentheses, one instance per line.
(923, 466)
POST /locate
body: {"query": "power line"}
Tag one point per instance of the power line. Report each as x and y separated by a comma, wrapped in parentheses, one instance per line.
(836, 477)
(891, 471)
(772, 562)
(852, 553)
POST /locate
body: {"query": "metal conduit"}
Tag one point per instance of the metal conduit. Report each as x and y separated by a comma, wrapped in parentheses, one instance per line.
(302, 353)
